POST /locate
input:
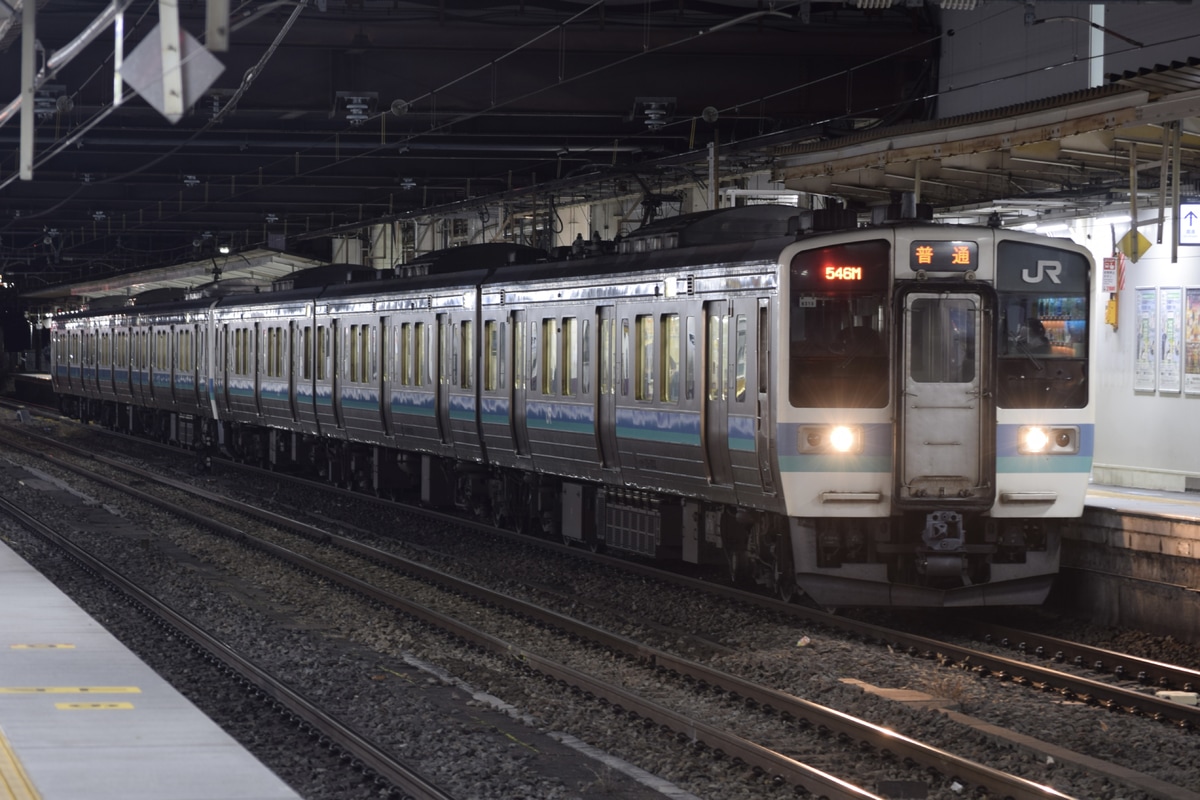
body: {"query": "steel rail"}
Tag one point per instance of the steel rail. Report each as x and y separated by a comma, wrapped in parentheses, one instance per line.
(838, 723)
(365, 753)
(1123, 666)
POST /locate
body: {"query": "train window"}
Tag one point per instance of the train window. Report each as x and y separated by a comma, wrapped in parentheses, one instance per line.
(740, 359)
(421, 368)
(838, 356)
(518, 349)
(585, 356)
(384, 351)
(717, 324)
(501, 357)
(322, 352)
(467, 355)
(549, 354)
(1043, 327)
(352, 348)
(623, 354)
(404, 353)
(570, 356)
(306, 369)
(365, 360)
(244, 352)
(764, 348)
(689, 362)
(644, 390)
(533, 355)
(280, 348)
(942, 340)
(607, 354)
(1043, 350)
(670, 358)
(491, 355)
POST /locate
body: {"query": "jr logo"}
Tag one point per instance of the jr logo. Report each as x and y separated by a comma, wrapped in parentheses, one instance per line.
(1045, 269)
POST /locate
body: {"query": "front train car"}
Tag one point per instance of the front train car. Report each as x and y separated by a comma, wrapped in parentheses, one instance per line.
(934, 412)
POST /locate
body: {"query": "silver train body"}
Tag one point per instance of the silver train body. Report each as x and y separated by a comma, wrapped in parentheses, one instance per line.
(868, 416)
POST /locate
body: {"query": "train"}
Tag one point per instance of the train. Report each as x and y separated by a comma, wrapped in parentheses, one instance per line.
(854, 413)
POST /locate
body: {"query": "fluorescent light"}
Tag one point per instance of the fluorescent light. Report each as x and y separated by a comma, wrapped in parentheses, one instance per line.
(1116, 219)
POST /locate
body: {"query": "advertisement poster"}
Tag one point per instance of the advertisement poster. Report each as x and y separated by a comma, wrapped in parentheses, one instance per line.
(1170, 353)
(1191, 343)
(1147, 340)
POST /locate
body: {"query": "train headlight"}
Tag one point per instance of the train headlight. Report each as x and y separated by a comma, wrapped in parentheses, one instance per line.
(1039, 440)
(1032, 440)
(843, 439)
(831, 439)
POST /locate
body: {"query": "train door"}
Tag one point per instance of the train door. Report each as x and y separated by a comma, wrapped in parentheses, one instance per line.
(715, 399)
(520, 376)
(947, 418)
(444, 359)
(606, 398)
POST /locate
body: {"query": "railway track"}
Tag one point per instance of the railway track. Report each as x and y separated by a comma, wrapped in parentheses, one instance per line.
(747, 692)
(688, 729)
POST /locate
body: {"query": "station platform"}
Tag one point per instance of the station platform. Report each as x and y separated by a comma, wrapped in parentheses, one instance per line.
(1133, 560)
(1180, 505)
(83, 717)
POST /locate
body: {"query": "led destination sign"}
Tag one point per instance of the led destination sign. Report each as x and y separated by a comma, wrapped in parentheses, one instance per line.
(944, 256)
(853, 266)
(843, 273)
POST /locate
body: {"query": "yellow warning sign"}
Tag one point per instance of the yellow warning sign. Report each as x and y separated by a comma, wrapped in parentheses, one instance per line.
(70, 690)
(93, 706)
(1133, 248)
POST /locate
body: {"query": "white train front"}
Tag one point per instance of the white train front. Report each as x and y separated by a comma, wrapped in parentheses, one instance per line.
(885, 415)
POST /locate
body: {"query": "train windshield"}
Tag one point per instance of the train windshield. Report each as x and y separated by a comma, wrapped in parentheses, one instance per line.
(1043, 327)
(838, 326)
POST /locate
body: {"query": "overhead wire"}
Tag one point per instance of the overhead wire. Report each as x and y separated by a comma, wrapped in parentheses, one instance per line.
(431, 95)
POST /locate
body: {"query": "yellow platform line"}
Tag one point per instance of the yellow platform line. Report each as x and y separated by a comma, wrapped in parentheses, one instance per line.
(13, 779)
(93, 706)
(42, 646)
(70, 690)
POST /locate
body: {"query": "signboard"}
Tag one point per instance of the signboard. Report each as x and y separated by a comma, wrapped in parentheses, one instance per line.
(1110, 274)
(1134, 245)
(942, 256)
(1189, 223)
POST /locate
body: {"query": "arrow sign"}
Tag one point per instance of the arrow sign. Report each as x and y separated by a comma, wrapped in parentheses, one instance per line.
(1189, 223)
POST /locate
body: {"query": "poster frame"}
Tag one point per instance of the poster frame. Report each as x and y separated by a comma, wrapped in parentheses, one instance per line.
(1170, 337)
(1191, 340)
(1145, 366)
